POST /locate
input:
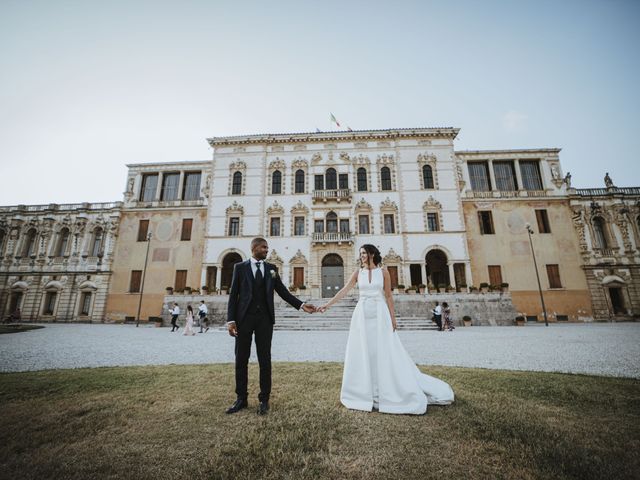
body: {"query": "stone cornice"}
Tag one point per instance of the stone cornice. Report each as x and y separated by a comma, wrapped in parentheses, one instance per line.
(328, 137)
(185, 163)
(522, 151)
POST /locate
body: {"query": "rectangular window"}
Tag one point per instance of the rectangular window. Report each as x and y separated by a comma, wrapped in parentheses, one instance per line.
(318, 226)
(362, 179)
(432, 222)
(298, 226)
(143, 230)
(486, 222)
(543, 221)
(495, 275)
(134, 283)
(85, 303)
(187, 223)
(181, 280)
(505, 176)
(274, 227)
(344, 226)
(170, 182)
(191, 186)
(49, 303)
(530, 172)
(149, 187)
(389, 224)
(343, 181)
(234, 226)
(479, 176)
(363, 224)
(298, 276)
(553, 272)
(319, 182)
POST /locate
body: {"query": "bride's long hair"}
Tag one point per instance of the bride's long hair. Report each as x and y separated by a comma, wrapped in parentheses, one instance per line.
(372, 253)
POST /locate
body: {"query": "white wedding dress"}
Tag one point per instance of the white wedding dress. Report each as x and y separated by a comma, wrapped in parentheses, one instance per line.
(378, 371)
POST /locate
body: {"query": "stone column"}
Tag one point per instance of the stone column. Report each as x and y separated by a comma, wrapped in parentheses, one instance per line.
(492, 177)
(516, 167)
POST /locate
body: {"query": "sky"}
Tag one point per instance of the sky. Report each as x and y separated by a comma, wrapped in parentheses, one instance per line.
(87, 87)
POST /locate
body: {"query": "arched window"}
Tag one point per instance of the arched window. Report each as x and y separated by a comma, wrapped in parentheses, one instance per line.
(331, 180)
(332, 222)
(96, 247)
(276, 182)
(299, 181)
(30, 243)
(385, 178)
(236, 186)
(63, 242)
(427, 176)
(362, 179)
(600, 240)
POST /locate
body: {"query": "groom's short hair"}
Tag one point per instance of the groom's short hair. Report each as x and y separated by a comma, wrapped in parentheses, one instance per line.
(257, 241)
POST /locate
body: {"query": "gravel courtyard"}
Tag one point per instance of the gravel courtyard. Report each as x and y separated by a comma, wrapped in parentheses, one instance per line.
(596, 348)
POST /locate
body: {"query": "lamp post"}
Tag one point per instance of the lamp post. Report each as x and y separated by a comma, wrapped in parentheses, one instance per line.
(144, 271)
(535, 264)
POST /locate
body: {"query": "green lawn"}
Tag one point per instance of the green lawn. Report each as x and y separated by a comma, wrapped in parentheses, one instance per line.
(169, 423)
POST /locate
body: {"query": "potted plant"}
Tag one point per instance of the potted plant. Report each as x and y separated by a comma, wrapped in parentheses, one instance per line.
(205, 290)
(484, 287)
(302, 287)
(450, 288)
(411, 290)
(195, 291)
(422, 286)
(169, 290)
(520, 321)
(224, 289)
(462, 287)
(187, 290)
(473, 289)
(431, 288)
(400, 288)
(442, 288)
(504, 286)
(466, 320)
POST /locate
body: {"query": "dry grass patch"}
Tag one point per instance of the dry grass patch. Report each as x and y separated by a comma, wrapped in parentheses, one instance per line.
(169, 422)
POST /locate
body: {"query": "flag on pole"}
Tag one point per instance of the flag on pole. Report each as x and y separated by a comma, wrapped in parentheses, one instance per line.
(333, 119)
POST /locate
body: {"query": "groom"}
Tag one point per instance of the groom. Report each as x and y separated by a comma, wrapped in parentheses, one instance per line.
(250, 311)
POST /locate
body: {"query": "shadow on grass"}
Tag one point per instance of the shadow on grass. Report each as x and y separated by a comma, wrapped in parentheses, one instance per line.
(169, 422)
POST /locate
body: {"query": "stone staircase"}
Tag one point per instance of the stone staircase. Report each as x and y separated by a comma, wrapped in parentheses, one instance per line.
(338, 317)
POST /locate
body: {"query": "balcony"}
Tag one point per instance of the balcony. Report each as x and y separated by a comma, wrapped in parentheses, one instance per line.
(323, 238)
(506, 193)
(606, 252)
(340, 195)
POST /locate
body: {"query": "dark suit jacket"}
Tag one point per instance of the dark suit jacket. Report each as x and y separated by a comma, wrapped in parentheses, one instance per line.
(241, 291)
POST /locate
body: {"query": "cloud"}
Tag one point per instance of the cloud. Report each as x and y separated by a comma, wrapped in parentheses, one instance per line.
(513, 121)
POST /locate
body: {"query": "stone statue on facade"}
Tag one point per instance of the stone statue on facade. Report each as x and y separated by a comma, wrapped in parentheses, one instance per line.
(607, 181)
(567, 179)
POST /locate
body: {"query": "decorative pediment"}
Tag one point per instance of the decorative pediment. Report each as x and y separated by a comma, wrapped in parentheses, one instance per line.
(88, 285)
(392, 257)
(298, 258)
(277, 164)
(316, 158)
(299, 208)
(299, 163)
(431, 204)
(344, 156)
(238, 166)
(388, 204)
(426, 158)
(360, 160)
(385, 159)
(274, 258)
(363, 205)
(235, 207)
(275, 209)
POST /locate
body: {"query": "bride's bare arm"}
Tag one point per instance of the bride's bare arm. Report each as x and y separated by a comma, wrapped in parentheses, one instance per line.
(389, 297)
(343, 291)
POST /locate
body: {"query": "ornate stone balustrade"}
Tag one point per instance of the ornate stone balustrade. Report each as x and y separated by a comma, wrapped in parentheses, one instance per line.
(332, 237)
(343, 194)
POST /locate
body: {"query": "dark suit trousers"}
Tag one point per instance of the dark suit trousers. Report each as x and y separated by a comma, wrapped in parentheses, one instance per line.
(260, 325)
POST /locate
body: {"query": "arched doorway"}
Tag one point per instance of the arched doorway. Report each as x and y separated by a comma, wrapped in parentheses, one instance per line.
(437, 268)
(229, 260)
(332, 275)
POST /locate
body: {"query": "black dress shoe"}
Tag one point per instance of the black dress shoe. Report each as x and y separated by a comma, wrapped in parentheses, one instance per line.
(237, 406)
(263, 408)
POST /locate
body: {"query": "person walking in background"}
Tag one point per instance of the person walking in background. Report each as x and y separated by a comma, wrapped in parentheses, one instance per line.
(437, 315)
(446, 317)
(175, 311)
(202, 313)
(188, 328)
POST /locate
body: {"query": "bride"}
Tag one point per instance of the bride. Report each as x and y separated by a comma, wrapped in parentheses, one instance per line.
(378, 371)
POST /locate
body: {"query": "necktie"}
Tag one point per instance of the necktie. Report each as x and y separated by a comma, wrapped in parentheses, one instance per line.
(258, 273)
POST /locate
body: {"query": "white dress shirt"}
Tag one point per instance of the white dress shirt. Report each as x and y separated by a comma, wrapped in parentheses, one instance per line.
(203, 309)
(176, 310)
